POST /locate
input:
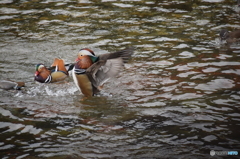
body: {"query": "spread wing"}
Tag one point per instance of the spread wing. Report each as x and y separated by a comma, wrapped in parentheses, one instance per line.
(101, 71)
(108, 66)
(124, 54)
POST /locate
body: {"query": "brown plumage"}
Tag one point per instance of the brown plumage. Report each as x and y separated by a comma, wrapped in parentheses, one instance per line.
(230, 37)
(91, 73)
(84, 62)
(59, 63)
(57, 72)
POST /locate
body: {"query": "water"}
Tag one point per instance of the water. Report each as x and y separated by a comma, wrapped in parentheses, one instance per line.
(178, 97)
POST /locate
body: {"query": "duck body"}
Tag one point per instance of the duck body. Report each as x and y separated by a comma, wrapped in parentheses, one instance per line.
(230, 37)
(7, 85)
(80, 77)
(57, 72)
(90, 72)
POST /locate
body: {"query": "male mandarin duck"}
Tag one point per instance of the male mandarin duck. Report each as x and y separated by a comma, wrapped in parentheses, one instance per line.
(90, 72)
(7, 85)
(230, 37)
(57, 72)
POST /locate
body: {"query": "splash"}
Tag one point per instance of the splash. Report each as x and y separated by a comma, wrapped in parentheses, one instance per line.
(50, 90)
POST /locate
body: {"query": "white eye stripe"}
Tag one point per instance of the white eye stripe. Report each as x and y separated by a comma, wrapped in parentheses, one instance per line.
(84, 52)
(41, 66)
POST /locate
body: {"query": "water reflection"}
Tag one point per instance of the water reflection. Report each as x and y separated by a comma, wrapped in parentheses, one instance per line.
(177, 98)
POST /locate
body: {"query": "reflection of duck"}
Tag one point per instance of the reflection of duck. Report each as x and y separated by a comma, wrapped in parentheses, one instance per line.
(90, 72)
(230, 37)
(7, 85)
(57, 72)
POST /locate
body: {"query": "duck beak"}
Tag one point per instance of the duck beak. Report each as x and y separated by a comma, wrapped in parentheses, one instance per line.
(37, 73)
(77, 59)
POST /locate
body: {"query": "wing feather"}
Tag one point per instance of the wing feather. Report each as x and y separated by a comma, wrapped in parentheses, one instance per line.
(124, 54)
(108, 66)
(105, 71)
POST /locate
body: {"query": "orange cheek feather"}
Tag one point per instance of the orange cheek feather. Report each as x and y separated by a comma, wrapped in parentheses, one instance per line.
(80, 58)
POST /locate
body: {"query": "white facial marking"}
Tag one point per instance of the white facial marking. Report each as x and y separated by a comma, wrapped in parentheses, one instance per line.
(40, 67)
(84, 52)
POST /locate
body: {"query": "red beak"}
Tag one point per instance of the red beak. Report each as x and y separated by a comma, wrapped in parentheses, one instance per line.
(37, 73)
(77, 59)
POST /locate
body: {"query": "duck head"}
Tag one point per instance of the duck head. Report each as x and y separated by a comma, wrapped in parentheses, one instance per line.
(85, 58)
(83, 53)
(39, 68)
(42, 74)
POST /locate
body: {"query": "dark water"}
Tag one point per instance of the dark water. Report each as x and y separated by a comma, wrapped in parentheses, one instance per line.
(178, 97)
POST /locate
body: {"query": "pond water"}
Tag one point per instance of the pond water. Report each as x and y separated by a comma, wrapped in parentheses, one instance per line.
(178, 97)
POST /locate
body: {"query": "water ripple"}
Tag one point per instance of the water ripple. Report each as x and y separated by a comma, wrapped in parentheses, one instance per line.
(177, 97)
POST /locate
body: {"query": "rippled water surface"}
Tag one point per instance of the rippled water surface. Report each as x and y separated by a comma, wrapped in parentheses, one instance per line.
(178, 97)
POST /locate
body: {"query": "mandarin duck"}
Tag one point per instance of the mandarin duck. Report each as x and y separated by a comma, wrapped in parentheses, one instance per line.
(230, 37)
(7, 85)
(90, 72)
(57, 72)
